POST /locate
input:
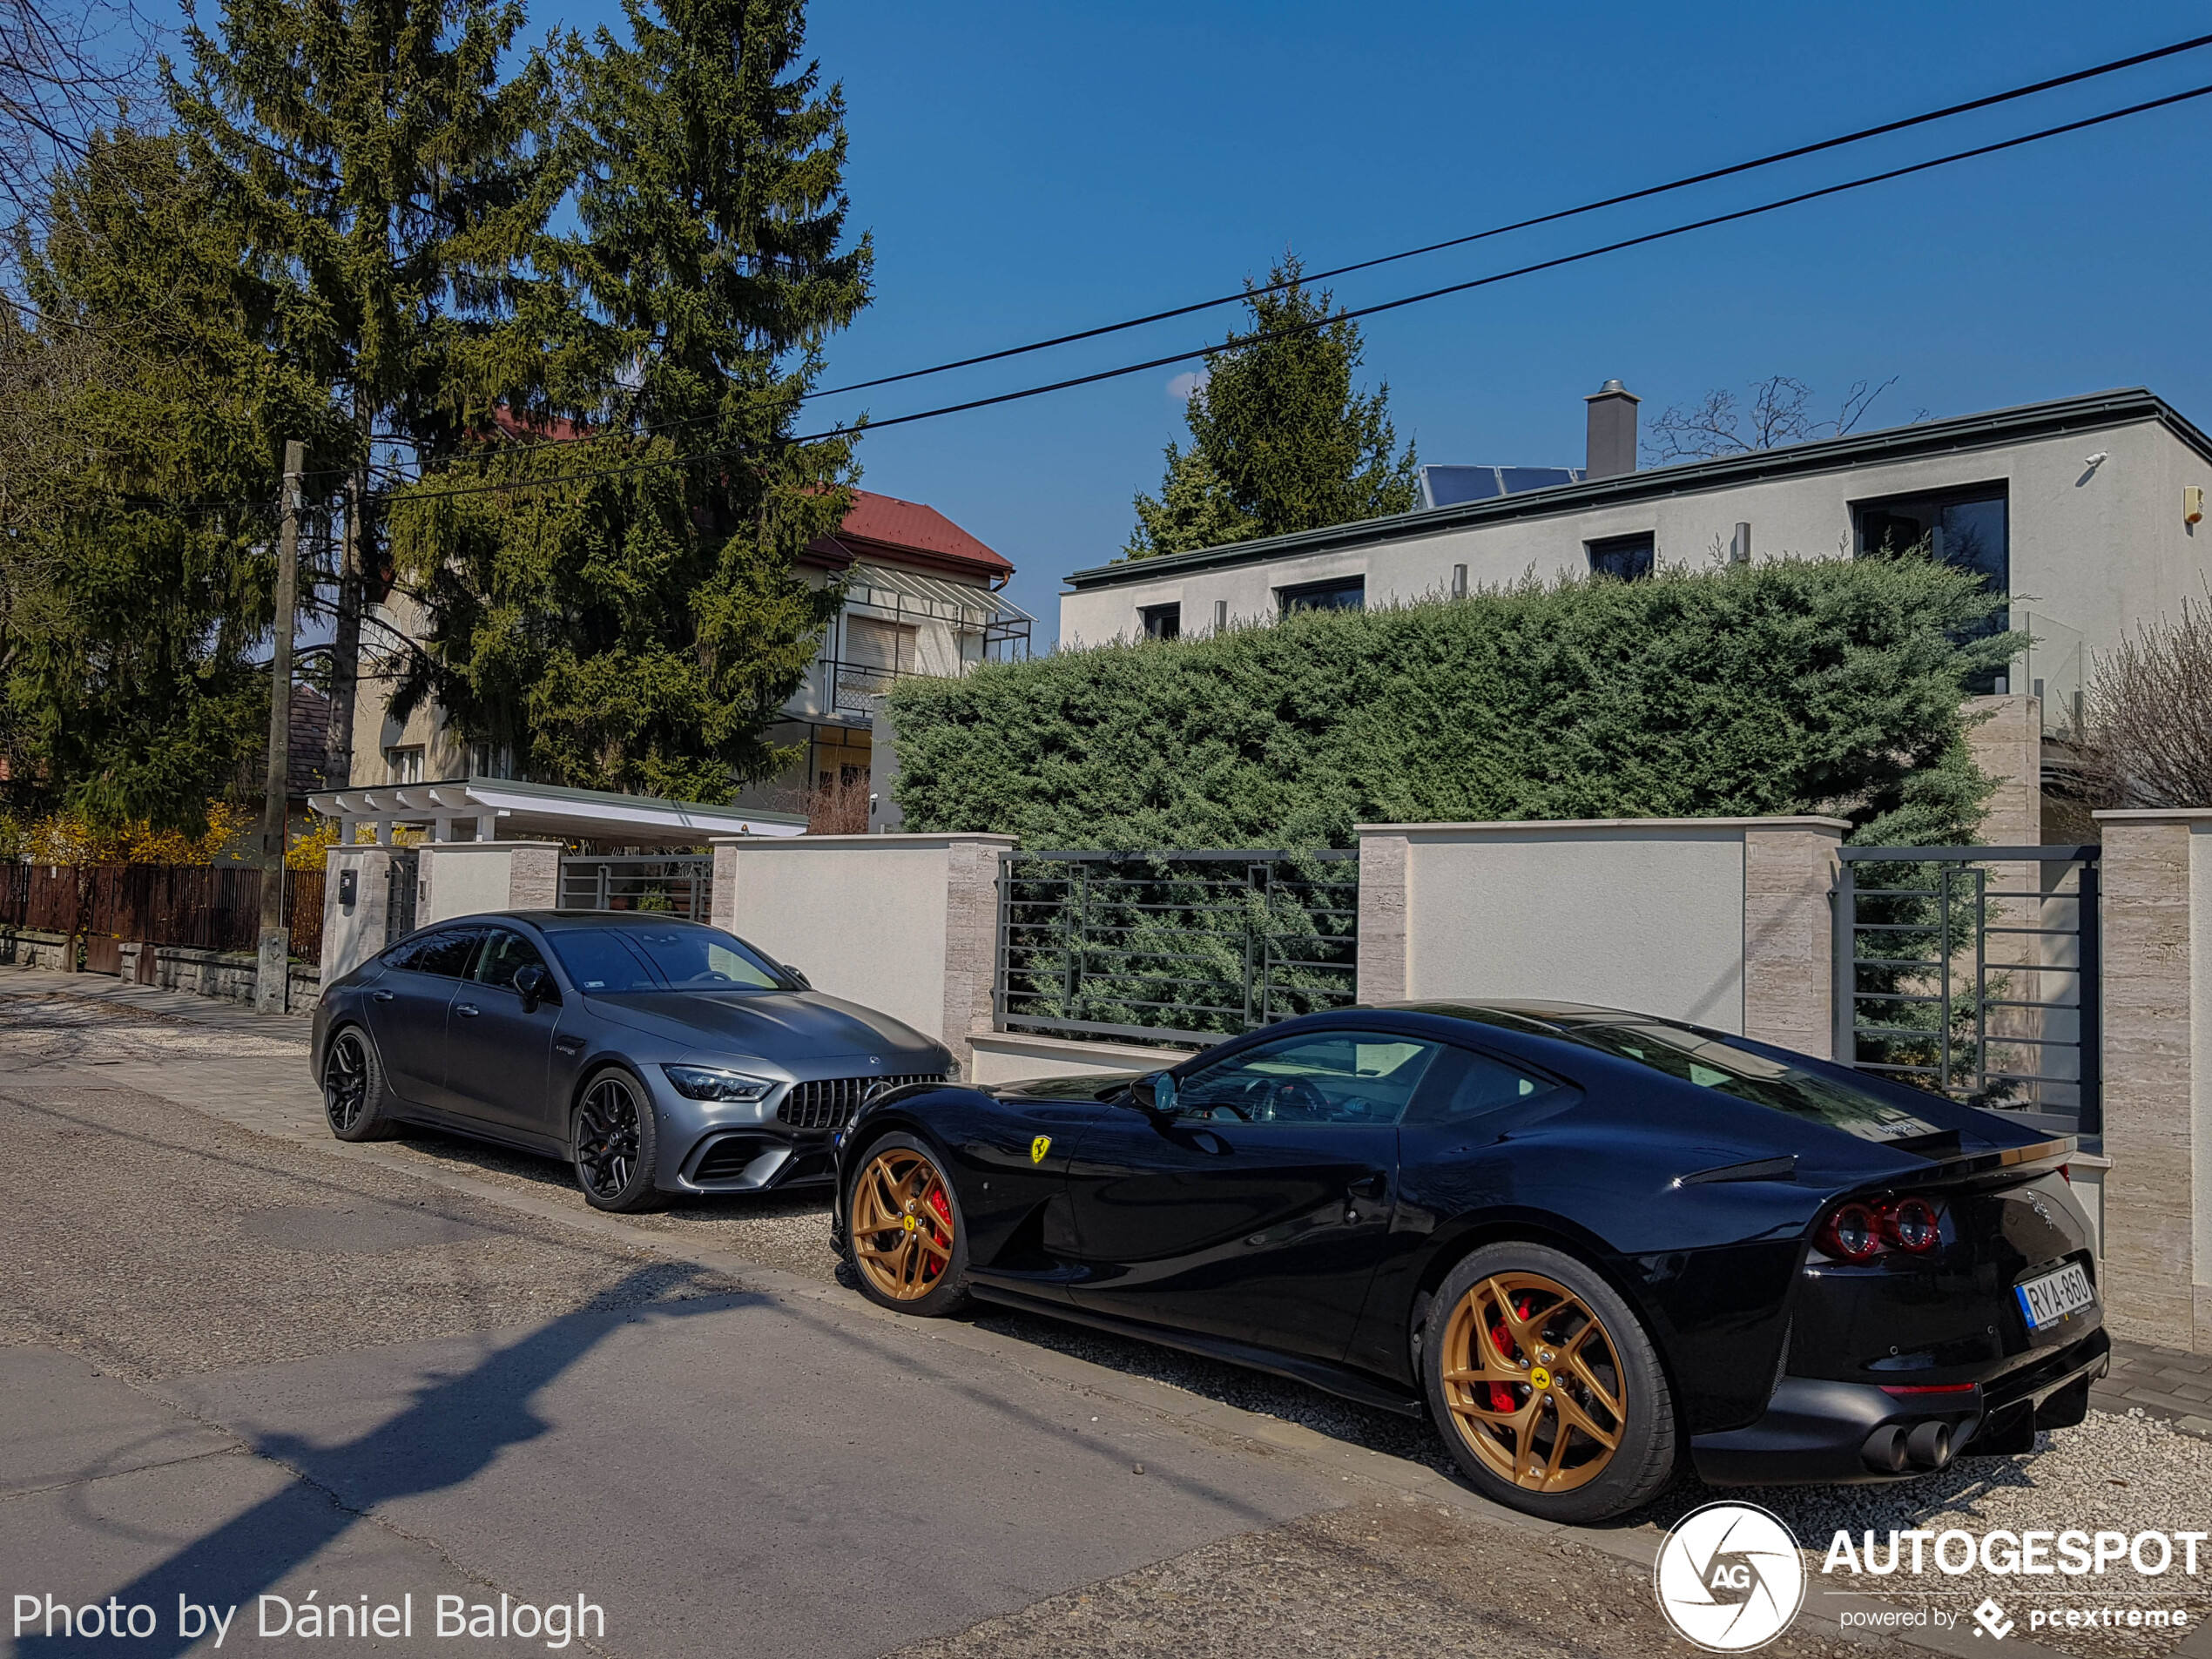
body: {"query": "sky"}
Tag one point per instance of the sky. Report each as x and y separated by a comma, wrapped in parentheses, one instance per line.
(1027, 169)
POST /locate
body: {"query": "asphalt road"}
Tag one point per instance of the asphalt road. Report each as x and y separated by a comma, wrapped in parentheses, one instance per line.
(238, 1360)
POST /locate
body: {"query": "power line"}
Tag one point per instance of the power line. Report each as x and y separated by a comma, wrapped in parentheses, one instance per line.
(1202, 352)
(1860, 136)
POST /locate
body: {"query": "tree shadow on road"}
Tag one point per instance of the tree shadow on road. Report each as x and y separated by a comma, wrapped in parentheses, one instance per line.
(455, 1428)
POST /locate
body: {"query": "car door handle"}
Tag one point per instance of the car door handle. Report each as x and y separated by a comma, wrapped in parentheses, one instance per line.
(383, 997)
(467, 1010)
(1374, 1186)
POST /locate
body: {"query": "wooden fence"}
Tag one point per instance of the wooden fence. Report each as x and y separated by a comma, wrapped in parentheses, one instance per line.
(214, 908)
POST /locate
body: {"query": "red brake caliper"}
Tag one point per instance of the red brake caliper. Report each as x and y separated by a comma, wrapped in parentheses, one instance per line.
(944, 1213)
(1501, 1398)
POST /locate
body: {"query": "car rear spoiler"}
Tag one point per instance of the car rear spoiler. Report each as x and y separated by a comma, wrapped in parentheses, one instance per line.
(2037, 1157)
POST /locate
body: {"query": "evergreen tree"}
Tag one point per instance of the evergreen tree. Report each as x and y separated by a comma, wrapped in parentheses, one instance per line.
(1192, 510)
(1288, 442)
(392, 186)
(623, 617)
(136, 571)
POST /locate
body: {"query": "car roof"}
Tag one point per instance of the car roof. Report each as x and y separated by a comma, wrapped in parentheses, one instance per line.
(559, 920)
(1522, 1013)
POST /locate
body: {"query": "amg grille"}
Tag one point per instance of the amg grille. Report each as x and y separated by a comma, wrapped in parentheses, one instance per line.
(831, 1102)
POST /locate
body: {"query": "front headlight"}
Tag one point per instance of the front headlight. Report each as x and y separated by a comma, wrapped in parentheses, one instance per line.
(708, 1082)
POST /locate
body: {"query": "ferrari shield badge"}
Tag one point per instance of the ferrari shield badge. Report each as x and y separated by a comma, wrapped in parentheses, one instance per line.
(1039, 1147)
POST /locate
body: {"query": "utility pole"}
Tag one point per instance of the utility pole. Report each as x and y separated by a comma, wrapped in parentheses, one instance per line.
(275, 969)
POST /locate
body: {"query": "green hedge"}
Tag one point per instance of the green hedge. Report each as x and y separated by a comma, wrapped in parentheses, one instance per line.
(1801, 686)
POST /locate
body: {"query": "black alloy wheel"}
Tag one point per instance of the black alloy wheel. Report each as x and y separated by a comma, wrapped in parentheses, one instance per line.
(353, 1090)
(615, 1144)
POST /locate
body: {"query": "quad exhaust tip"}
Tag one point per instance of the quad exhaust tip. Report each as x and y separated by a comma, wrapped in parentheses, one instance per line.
(1892, 1448)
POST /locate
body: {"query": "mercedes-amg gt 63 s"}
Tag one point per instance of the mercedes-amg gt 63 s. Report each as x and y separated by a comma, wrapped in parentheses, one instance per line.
(1592, 1243)
(657, 1056)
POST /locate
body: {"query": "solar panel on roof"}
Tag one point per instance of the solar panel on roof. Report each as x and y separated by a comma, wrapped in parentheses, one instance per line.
(1449, 486)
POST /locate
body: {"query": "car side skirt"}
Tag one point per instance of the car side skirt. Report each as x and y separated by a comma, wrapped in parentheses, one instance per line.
(1341, 1380)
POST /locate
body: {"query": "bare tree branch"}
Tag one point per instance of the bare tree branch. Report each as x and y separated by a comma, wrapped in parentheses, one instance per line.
(1780, 413)
(2146, 718)
(63, 73)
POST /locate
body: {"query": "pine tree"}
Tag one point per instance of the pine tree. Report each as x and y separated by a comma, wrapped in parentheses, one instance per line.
(136, 575)
(1288, 442)
(392, 185)
(637, 621)
(1192, 510)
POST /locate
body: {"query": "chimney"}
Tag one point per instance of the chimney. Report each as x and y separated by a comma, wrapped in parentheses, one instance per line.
(1613, 431)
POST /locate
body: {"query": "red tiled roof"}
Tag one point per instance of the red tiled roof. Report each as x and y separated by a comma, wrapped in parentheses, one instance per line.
(908, 527)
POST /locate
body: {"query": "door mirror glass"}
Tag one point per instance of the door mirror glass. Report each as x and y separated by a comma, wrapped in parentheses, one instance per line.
(535, 985)
(1154, 1092)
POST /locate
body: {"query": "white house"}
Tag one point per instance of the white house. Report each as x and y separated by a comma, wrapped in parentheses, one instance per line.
(2085, 509)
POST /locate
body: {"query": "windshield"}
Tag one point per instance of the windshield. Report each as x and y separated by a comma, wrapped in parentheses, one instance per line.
(682, 957)
(1713, 1064)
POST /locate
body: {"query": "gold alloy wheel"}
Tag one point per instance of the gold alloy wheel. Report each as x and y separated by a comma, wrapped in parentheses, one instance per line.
(1534, 1382)
(902, 1224)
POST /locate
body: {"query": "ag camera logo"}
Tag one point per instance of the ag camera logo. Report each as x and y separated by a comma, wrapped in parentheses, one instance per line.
(1729, 1577)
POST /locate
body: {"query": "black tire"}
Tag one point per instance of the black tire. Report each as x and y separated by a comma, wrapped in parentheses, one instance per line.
(916, 1262)
(614, 1143)
(355, 1104)
(1562, 1363)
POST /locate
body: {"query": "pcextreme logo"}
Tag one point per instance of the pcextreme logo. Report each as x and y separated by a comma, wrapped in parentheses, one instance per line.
(1729, 1577)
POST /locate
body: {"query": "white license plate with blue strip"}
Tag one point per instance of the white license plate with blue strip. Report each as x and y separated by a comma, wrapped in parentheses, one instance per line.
(2055, 1296)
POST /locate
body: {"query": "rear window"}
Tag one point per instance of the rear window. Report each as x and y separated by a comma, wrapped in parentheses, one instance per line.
(1726, 1070)
(655, 959)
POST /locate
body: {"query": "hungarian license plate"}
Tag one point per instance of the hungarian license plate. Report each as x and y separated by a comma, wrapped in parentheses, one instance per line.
(2052, 1297)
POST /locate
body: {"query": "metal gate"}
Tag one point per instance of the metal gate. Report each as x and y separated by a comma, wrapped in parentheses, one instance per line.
(1181, 946)
(401, 883)
(1972, 971)
(679, 885)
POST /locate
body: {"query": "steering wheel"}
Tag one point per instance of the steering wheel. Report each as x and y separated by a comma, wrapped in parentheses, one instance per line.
(1296, 1098)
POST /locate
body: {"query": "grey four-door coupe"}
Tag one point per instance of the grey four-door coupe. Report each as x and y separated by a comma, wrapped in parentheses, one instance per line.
(658, 1055)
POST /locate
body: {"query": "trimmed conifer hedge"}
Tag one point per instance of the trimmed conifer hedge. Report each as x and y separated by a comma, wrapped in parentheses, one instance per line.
(1831, 685)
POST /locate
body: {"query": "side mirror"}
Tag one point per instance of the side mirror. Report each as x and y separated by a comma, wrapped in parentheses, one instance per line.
(535, 985)
(805, 984)
(1155, 1093)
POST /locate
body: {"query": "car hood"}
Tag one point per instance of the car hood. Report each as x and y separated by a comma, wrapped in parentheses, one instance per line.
(773, 1025)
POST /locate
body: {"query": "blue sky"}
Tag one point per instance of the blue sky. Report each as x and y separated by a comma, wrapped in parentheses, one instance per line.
(1025, 169)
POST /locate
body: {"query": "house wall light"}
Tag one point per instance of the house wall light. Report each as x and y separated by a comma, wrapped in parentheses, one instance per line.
(2192, 504)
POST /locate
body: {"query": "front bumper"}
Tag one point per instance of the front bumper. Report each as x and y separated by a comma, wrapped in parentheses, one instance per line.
(1818, 1432)
(754, 1159)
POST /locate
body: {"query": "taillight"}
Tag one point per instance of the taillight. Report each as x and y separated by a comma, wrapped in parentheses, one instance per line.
(1859, 1233)
(1909, 1224)
(1851, 1234)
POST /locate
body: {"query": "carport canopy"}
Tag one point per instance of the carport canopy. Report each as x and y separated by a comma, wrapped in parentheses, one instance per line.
(501, 809)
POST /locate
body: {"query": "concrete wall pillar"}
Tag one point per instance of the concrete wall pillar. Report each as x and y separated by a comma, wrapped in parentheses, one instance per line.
(2006, 736)
(1788, 935)
(533, 876)
(352, 934)
(2157, 985)
(1380, 973)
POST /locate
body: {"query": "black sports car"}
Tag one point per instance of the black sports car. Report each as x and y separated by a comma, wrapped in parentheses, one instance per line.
(1589, 1242)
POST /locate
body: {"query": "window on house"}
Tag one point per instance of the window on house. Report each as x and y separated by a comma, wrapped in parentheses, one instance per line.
(403, 765)
(885, 646)
(1627, 558)
(1969, 528)
(1344, 593)
(1161, 622)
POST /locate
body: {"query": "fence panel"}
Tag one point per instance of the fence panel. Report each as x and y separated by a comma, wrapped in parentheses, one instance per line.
(209, 907)
(681, 885)
(1974, 972)
(1180, 946)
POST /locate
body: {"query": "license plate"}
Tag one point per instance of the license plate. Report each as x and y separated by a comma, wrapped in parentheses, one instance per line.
(2048, 1299)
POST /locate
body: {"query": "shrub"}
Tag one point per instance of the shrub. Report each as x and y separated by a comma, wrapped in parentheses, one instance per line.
(1796, 686)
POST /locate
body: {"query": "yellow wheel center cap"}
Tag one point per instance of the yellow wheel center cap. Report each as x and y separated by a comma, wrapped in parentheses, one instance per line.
(1540, 1378)
(908, 1223)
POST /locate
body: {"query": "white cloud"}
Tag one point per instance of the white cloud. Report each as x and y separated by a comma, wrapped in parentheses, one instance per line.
(1182, 386)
